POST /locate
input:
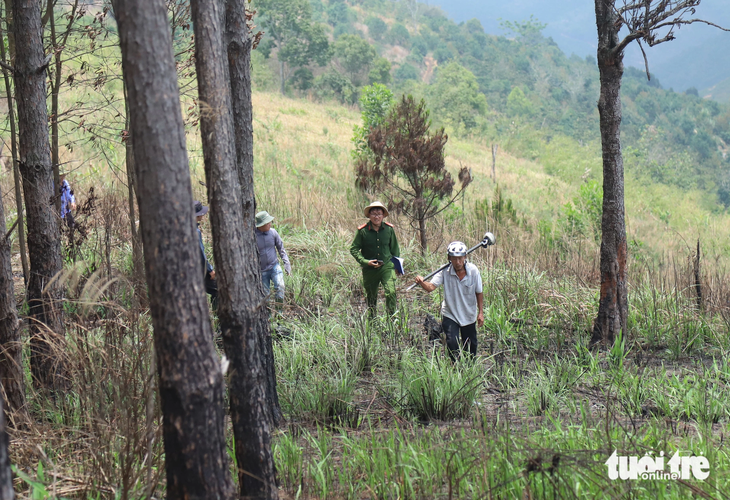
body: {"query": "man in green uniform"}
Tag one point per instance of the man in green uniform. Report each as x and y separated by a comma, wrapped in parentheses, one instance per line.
(374, 245)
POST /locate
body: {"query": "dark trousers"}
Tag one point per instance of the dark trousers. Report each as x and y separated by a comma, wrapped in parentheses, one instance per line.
(211, 288)
(468, 337)
(69, 220)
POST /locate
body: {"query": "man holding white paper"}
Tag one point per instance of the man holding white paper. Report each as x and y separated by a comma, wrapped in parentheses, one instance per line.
(374, 247)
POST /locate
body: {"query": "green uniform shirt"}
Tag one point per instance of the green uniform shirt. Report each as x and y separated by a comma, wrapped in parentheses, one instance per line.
(370, 244)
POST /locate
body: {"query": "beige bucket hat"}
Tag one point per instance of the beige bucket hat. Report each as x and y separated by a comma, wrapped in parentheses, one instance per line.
(376, 204)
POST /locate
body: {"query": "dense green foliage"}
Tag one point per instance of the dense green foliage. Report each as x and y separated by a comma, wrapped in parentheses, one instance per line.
(524, 80)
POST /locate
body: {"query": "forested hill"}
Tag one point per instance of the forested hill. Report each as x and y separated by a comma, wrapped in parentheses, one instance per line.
(702, 52)
(491, 87)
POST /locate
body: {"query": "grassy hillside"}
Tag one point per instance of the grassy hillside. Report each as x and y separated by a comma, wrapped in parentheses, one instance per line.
(525, 78)
(304, 173)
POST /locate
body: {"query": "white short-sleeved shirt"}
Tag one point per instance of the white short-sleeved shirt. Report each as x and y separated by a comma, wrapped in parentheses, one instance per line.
(460, 296)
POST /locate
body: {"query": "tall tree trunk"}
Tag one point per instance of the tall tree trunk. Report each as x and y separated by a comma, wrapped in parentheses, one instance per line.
(254, 402)
(190, 377)
(44, 244)
(239, 45)
(613, 302)
(281, 73)
(11, 347)
(6, 474)
(55, 85)
(14, 152)
(137, 257)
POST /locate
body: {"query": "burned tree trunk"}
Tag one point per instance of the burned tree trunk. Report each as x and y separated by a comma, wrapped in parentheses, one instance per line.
(653, 22)
(239, 44)
(11, 347)
(6, 474)
(241, 304)
(137, 257)
(44, 245)
(14, 153)
(190, 377)
(613, 303)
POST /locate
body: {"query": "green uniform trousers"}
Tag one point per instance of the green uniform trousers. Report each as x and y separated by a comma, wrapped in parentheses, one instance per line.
(372, 278)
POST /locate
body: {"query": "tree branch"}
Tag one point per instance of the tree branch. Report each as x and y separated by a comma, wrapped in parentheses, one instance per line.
(646, 61)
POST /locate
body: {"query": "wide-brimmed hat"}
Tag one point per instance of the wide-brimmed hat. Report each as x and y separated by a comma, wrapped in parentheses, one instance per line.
(200, 209)
(263, 218)
(376, 204)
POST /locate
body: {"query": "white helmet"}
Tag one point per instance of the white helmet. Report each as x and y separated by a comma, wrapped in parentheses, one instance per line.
(456, 249)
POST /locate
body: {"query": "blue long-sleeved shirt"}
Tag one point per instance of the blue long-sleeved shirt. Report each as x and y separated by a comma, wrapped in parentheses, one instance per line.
(269, 243)
(67, 198)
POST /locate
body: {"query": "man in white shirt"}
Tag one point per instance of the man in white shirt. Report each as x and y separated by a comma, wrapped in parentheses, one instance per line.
(462, 308)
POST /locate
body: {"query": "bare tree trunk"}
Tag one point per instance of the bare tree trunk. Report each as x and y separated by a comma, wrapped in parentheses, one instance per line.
(6, 474)
(11, 347)
(281, 72)
(14, 152)
(494, 162)
(240, 301)
(190, 378)
(613, 303)
(239, 65)
(55, 85)
(254, 400)
(137, 257)
(422, 233)
(44, 244)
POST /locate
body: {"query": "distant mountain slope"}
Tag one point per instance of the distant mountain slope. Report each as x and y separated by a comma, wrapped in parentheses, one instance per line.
(522, 90)
(699, 57)
(719, 92)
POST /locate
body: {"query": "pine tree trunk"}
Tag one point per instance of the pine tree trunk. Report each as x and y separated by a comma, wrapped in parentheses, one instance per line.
(6, 474)
(44, 244)
(239, 64)
(190, 378)
(55, 85)
(613, 302)
(14, 152)
(254, 401)
(11, 347)
(240, 303)
(137, 257)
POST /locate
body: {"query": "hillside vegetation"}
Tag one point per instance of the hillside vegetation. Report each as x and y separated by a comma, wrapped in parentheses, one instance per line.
(486, 86)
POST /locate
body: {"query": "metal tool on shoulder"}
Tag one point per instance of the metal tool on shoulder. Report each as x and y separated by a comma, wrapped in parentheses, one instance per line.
(487, 241)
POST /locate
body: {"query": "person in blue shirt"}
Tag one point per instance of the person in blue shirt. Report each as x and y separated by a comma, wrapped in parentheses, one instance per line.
(211, 286)
(269, 243)
(68, 202)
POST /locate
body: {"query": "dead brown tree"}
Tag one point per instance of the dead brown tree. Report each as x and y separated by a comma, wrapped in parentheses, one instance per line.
(408, 166)
(190, 377)
(44, 244)
(651, 22)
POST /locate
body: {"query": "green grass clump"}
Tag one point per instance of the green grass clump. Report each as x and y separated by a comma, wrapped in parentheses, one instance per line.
(432, 387)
